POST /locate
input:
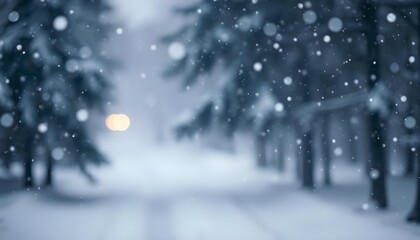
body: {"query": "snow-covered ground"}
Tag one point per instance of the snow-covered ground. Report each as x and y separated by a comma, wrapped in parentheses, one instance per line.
(190, 193)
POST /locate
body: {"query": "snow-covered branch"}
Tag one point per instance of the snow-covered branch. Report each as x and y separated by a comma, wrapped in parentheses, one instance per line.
(333, 104)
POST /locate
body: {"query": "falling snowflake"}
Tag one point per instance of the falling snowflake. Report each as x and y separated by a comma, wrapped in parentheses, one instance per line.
(42, 128)
(13, 16)
(258, 67)
(82, 115)
(177, 51)
(60, 23)
(391, 17)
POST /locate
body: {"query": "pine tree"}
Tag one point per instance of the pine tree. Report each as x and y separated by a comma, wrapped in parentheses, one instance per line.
(55, 67)
(312, 48)
(232, 37)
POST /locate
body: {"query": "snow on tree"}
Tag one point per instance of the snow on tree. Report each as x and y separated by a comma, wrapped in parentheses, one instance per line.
(314, 59)
(56, 69)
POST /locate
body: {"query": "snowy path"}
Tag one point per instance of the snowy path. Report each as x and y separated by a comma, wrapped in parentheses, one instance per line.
(169, 195)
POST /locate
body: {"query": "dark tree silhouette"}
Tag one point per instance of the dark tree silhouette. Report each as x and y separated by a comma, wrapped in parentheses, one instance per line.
(55, 67)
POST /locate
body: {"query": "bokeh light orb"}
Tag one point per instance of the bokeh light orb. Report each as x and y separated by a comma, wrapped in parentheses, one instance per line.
(118, 122)
(108, 122)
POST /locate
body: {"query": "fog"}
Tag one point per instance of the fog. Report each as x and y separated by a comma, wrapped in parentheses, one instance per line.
(219, 120)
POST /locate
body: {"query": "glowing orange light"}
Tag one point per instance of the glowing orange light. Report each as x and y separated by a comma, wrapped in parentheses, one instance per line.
(108, 122)
(118, 122)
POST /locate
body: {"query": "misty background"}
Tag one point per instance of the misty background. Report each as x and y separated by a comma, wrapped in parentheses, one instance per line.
(164, 182)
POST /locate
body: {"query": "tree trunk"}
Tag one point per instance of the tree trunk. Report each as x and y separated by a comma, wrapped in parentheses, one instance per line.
(49, 173)
(357, 138)
(361, 128)
(350, 134)
(280, 157)
(297, 155)
(414, 215)
(376, 140)
(377, 163)
(279, 154)
(28, 162)
(410, 159)
(260, 143)
(325, 149)
(307, 161)
(7, 160)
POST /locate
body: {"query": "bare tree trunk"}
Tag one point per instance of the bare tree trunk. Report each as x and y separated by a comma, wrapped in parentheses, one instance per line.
(410, 160)
(377, 163)
(361, 129)
(260, 149)
(414, 215)
(325, 149)
(410, 157)
(356, 137)
(279, 154)
(28, 162)
(307, 160)
(377, 139)
(298, 156)
(49, 173)
(350, 132)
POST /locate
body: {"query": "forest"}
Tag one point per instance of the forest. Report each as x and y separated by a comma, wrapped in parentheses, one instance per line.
(52, 74)
(296, 68)
(317, 89)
